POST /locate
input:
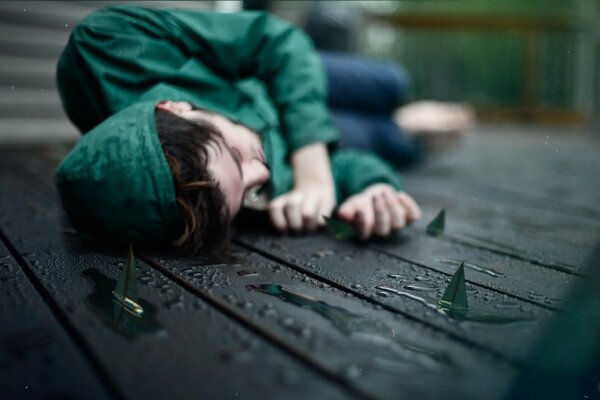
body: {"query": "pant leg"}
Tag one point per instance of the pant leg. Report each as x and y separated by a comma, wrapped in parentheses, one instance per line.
(362, 96)
(379, 135)
(363, 85)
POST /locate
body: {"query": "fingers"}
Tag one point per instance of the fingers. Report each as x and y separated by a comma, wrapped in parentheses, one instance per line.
(348, 209)
(298, 212)
(413, 212)
(397, 213)
(277, 214)
(383, 222)
(293, 213)
(365, 219)
(286, 213)
(378, 210)
(310, 214)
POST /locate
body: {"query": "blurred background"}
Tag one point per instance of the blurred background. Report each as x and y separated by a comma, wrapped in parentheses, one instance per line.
(533, 62)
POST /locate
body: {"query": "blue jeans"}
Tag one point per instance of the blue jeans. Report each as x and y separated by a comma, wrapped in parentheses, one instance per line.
(362, 97)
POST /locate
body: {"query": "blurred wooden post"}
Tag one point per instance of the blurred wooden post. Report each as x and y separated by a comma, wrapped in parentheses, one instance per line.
(529, 65)
(528, 27)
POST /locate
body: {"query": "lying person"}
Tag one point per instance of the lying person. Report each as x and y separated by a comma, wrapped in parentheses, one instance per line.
(186, 113)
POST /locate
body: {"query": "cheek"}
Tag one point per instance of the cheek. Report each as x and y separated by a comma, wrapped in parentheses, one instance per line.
(226, 175)
(232, 190)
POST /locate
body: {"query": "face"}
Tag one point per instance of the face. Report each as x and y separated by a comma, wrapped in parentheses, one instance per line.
(238, 164)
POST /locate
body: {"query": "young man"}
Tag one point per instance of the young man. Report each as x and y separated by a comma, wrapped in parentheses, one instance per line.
(186, 112)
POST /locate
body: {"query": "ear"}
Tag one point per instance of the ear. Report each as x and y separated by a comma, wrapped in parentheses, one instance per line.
(165, 105)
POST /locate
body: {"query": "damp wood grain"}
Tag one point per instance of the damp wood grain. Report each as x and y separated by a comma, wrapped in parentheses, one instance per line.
(408, 289)
(196, 350)
(38, 358)
(349, 320)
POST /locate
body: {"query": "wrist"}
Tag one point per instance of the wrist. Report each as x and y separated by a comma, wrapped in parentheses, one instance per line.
(311, 165)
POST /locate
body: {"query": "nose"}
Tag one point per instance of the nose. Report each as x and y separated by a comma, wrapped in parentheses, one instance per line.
(255, 174)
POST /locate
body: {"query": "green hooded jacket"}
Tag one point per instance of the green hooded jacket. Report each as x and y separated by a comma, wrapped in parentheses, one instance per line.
(251, 67)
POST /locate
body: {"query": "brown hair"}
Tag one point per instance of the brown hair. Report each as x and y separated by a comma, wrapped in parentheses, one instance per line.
(205, 217)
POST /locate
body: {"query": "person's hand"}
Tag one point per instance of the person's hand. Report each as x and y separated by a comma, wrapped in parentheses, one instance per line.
(303, 208)
(379, 210)
(313, 195)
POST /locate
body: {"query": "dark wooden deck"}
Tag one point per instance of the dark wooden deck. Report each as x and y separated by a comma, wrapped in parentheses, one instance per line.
(339, 319)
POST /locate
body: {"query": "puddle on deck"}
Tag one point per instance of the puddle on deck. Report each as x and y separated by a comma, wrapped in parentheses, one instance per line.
(352, 324)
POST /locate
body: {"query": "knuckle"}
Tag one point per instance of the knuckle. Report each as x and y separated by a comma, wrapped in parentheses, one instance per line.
(307, 216)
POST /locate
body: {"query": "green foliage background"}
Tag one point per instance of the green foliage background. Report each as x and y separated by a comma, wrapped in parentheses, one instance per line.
(485, 66)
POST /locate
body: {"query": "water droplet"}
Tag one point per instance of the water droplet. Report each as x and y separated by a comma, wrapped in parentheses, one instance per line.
(174, 303)
(488, 271)
(352, 372)
(382, 293)
(536, 296)
(406, 294)
(507, 305)
(246, 304)
(422, 286)
(357, 286)
(422, 279)
(323, 253)
(229, 297)
(268, 312)
(554, 301)
(397, 276)
(247, 272)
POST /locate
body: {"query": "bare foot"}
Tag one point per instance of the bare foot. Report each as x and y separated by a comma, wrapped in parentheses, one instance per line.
(437, 122)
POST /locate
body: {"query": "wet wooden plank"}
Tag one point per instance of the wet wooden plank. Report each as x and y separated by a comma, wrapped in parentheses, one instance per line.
(545, 164)
(423, 182)
(186, 347)
(532, 195)
(38, 358)
(385, 280)
(391, 355)
(521, 279)
(379, 353)
(544, 237)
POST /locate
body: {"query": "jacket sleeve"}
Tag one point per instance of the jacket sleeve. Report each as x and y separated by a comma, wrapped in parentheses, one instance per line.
(154, 43)
(353, 171)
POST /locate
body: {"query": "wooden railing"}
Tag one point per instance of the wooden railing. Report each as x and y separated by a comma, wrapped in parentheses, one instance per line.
(529, 27)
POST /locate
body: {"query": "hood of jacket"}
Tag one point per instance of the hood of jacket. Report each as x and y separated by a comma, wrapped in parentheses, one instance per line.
(116, 185)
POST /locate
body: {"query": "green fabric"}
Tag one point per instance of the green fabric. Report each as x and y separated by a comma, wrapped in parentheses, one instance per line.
(251, 67)
(117, 187)
(354, 170)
